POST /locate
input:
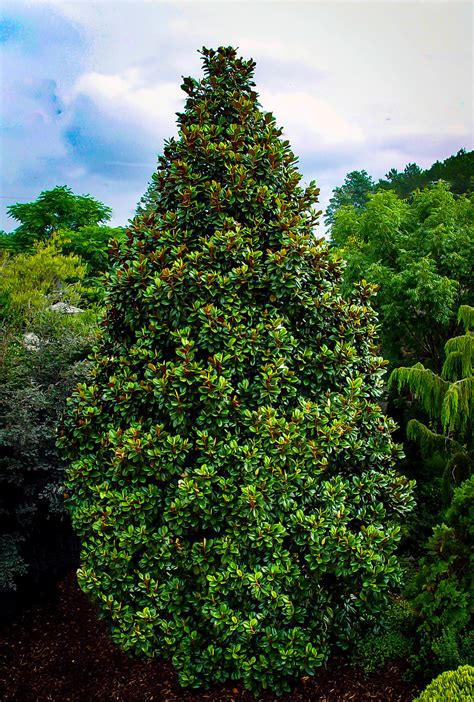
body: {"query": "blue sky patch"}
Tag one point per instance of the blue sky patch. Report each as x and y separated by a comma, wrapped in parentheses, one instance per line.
(10, 29)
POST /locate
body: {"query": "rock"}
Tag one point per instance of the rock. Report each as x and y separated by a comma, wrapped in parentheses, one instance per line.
(31, 341)
(65, 308)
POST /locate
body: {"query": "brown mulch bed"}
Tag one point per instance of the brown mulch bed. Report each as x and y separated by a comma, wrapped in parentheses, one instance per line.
(59, 651)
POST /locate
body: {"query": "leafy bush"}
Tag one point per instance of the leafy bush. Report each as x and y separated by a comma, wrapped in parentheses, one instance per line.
(418, 527)
(66, 236)
(231, 471)
(392, 639)
(442, 591)
(453, 685)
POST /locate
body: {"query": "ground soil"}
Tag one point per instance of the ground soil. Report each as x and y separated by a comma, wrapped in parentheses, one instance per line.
(58, 650)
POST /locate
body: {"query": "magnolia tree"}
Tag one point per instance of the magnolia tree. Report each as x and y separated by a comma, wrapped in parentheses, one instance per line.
(231, 472)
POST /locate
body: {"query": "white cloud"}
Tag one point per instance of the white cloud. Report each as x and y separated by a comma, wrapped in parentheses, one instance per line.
(150, 107)
(354, 84)
(286, 51)
(310, 121)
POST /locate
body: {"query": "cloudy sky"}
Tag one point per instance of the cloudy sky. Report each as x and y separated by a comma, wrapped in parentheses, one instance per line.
(90, 89)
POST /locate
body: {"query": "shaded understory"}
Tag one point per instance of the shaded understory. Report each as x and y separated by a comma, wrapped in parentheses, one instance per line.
(58, 650)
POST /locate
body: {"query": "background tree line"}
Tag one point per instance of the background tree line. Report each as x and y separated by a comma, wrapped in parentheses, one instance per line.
(412, 234)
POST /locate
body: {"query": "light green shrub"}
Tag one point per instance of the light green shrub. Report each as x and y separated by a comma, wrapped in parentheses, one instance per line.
(451, 686)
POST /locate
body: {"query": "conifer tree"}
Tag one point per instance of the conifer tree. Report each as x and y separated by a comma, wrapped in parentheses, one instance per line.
(448, 400)
(231, 472)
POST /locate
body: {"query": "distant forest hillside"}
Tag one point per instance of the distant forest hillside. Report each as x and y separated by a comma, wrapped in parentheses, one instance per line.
(457, 170)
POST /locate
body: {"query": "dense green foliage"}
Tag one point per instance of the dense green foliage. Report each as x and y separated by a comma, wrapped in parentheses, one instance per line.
(91, 243)
(457, 171)
(36, 375)
(442, 592)
(391, 640)
(417, 246)
(228, 480)
(41, 360)
(403, 183)
(421, 255)
(453, 685)
(59, 222)
(232, 475)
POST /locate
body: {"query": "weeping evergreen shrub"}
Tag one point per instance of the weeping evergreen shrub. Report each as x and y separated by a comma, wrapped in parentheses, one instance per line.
(231, 472)
(448, 400)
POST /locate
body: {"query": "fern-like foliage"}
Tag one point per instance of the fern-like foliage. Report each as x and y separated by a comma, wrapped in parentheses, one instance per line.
(456, 410)
(451, 403)
(448, 400)
(430, 441)
(427, 387)
(466, 316)
(459, 357)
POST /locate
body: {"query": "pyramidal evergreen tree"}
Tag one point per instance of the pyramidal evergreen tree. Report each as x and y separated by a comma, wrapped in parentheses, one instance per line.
(231, 472)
